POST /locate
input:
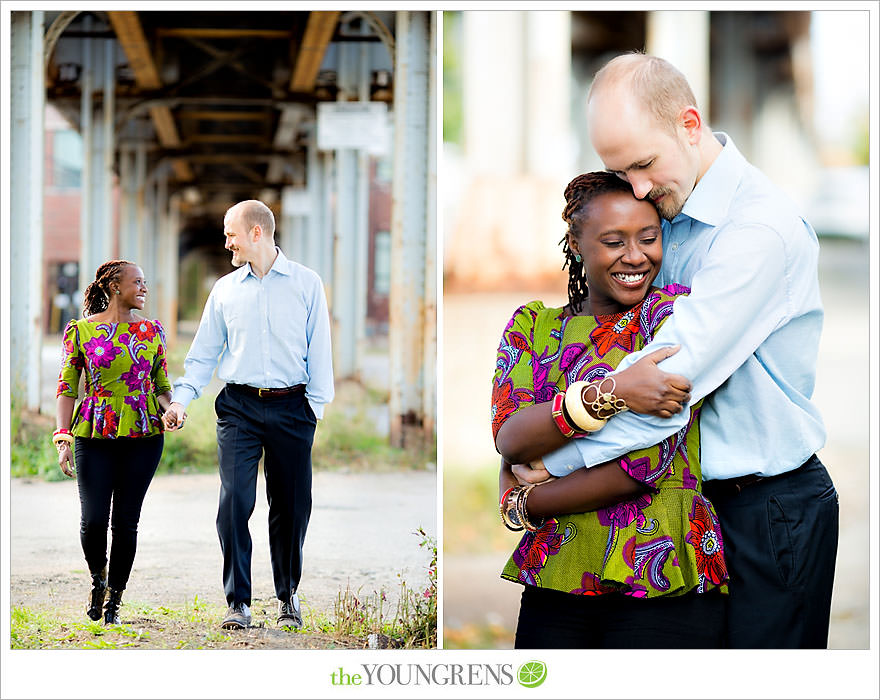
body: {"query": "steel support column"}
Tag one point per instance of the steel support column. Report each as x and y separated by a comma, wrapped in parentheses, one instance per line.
(141, 210)
(429, 322)
(409, 216)
(27, 82)
(128, 207)
(96, 218)
(346, 341)
(163, 277)
(314, 223)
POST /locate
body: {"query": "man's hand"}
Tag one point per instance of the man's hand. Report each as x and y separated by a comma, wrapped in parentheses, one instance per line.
(65, 459)
(648, 389)
(174, 417)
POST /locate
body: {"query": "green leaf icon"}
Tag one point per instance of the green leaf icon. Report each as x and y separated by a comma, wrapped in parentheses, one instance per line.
(532, 673)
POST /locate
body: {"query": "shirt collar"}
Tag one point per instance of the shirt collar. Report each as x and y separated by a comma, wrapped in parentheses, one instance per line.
(711, 198)
(280, 265)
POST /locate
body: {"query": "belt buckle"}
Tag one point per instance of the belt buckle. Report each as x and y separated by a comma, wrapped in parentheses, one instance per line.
(260, 392)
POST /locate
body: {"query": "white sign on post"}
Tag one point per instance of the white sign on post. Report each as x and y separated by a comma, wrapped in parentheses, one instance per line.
(359, 125)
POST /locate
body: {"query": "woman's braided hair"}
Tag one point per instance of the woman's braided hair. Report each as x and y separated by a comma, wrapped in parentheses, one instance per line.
(578, 194)
(96, 297)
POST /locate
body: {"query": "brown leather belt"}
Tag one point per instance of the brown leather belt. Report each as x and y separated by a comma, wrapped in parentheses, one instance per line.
(268, 393)
(732, 487)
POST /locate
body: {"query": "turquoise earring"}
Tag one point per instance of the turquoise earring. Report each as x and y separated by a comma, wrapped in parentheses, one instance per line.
(577, 257)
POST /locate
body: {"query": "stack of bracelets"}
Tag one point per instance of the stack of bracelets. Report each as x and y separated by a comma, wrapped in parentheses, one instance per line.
(569, 407)
(513, 509)
(60, 436)
(569, 411)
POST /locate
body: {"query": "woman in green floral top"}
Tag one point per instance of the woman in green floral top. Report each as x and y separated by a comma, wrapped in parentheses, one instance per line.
(116, 430)
(627, 553)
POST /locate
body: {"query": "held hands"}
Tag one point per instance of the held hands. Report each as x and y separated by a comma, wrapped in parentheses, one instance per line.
(533, 473)
(648, 389)
(174, 417)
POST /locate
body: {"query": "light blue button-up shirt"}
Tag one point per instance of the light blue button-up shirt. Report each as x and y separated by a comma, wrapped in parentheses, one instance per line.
(270, 333)
(749, 330)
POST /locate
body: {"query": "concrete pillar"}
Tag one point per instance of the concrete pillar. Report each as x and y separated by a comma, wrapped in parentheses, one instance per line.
(550, 151)
(27, 104)
(494, 91)
(409, 215)
(682, 38)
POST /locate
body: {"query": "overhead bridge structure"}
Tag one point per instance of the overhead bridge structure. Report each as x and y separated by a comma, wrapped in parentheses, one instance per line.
(182, 114)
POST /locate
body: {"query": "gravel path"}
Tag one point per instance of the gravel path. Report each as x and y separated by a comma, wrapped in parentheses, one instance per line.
(360, 535)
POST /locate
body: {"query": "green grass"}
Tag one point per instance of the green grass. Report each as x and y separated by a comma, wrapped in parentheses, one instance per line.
(195, 625)
(346, 438)
(33, 629)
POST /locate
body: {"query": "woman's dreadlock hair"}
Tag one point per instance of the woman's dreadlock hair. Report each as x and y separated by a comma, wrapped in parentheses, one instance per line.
(96, 298)
(578, 194)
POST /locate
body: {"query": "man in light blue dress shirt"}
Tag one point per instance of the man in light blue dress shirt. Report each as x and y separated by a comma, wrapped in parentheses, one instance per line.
(749, 332)
(266, 330)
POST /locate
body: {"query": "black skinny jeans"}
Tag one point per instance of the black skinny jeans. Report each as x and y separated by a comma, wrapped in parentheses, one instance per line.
(113, 473)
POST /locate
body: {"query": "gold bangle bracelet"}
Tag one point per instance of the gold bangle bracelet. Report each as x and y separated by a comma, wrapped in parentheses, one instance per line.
(523, 513)
(578, 413)
(606, 404)
(509, 515)
(63, 437)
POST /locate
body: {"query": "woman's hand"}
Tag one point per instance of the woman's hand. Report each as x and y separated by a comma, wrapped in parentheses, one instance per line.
(533, 473)
(174, 417)
(65, 459)
(648, 389)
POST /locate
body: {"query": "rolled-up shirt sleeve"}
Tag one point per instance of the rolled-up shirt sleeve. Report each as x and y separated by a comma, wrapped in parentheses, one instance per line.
(319, 357)
(738, 298)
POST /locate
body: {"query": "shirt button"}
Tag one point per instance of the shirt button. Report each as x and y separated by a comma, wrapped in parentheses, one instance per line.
(674, 246)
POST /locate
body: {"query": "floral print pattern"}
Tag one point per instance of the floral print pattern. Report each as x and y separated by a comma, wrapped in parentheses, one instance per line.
(664, 542)
(705, 538)
(125, 370)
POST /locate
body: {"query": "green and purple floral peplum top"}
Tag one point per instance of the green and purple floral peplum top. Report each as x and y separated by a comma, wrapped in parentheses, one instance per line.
(125, 371)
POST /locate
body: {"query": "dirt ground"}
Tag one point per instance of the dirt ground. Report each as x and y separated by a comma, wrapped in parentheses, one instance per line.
(360, 536)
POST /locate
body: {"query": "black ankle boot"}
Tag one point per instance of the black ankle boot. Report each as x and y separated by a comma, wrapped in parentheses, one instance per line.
(111, 607)
(96, 598)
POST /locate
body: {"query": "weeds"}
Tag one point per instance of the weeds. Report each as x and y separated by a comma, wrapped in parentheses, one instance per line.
(414, 623)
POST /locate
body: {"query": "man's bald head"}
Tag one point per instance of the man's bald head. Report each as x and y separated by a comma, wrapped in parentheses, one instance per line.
(653, 83)
(253, 212)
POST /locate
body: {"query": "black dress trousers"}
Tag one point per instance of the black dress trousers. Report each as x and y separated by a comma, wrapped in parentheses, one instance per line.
(780, 543)
(284, 428)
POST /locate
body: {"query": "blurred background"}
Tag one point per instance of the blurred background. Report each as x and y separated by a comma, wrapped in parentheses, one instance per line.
(790, 88)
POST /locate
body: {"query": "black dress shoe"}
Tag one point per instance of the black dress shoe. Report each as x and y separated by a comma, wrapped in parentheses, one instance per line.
(289, 614)
(98, 592)
(237, 617)
(111, 607)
